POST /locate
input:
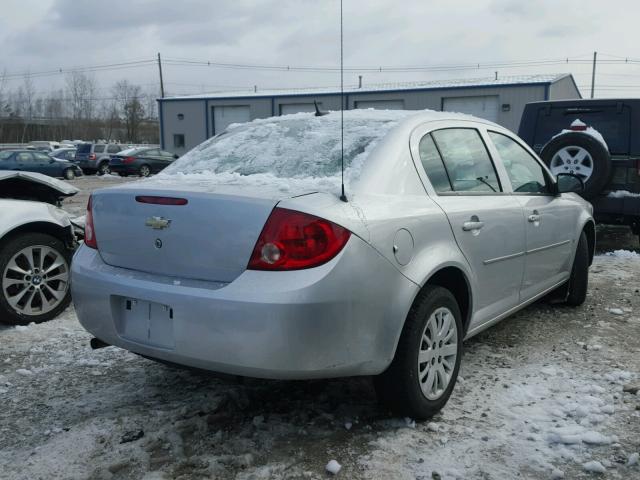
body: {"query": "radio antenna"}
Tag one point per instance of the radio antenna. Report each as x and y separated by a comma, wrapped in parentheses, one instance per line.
(343, 197)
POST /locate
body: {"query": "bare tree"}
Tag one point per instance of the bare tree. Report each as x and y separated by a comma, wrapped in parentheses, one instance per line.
(81, 91)
(128, 98)
(27, 93)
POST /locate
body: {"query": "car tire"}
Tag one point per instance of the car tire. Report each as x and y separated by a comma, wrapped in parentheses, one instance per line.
(145, 171)
(579, 279)
(418, 389)
(103, 169)
(69, 174)
(597, 159)
(55, 291)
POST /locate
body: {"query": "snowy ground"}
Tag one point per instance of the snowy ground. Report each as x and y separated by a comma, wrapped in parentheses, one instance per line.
(541, 396)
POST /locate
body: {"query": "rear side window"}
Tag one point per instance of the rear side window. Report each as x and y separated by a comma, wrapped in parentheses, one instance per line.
(611, 121)
(433, 166)
(466, 160)
(113, 149)
(5, 155)
(525, 173)
(98, 149)
(84, 148)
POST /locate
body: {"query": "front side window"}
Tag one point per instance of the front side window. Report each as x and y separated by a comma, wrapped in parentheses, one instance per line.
(24, 157)
(525, 173)
(467, 161)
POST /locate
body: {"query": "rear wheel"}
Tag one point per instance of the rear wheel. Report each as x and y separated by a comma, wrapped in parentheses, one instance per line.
(104, 169)
(69, 174)
(422, 375)
(35, 278)
(145, 171)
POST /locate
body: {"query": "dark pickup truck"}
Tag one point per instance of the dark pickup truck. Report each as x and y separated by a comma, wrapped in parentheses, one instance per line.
(598, 140)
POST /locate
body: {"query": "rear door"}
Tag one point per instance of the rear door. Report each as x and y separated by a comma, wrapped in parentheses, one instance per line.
(550, 220)
(486, 221)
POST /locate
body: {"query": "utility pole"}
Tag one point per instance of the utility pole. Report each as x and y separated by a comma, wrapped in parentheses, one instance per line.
(593, 73)
(161, 82)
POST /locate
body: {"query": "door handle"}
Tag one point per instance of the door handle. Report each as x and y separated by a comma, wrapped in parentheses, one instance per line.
(473, 225)
(534, 217)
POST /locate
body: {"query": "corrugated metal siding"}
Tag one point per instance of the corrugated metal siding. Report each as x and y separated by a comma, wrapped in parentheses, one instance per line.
(563, 89)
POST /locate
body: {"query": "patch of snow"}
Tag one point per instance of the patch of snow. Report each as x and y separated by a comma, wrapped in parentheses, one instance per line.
(589, 131)
(623, 194)
(21, 328)
(633, 459)
(623, 254)
(594, 466)
(557, 474)
(348, 425)
(24, 371)
(615, 311)
(333, 467)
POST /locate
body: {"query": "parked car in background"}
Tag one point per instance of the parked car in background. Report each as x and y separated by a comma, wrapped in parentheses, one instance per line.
(64, 154)
(36, 244)
(39, 162)
(44, 146)
(141, 161)
(95, 157)
(598, 140)
(241, 257)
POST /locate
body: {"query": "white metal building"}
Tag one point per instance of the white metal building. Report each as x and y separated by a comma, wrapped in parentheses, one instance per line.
(187, 121)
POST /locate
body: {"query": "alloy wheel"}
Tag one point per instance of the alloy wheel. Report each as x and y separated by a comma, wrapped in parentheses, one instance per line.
(572, 159)
(144, 171)
(438, 353)
(36, 280)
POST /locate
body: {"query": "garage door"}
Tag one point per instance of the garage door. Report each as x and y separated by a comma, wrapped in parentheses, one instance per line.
(288, 108)
(381, 104)
(484, 107)
(225, 116)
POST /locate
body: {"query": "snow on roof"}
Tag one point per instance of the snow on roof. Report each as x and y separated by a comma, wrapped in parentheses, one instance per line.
(383, 87)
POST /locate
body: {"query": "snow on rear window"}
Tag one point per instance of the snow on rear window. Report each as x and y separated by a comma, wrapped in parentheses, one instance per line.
(299, 147)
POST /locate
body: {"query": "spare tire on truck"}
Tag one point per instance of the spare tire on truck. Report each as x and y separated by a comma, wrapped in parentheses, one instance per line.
(580, 154)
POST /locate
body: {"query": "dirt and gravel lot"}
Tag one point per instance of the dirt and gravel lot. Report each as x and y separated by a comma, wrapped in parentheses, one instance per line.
(541, 395)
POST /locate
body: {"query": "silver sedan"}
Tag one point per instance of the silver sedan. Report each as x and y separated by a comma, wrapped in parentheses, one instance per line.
(241, 258)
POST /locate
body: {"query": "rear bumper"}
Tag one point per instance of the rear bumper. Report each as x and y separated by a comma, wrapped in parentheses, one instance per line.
(340, 319)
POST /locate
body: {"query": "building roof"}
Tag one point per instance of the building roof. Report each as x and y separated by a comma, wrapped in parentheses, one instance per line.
(520, 80)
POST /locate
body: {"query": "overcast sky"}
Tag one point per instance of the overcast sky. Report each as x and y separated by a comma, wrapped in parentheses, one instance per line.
(41, 35)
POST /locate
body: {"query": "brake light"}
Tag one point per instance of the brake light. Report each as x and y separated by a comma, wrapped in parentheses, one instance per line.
(128, 159)
(90, 239)
(293, 240)
(161, 200)
(92, 156)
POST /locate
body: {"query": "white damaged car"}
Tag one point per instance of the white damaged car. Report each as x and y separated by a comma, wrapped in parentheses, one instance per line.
(37, 240)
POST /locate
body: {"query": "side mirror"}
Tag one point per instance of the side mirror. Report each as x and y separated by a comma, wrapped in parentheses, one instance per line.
(568, 182)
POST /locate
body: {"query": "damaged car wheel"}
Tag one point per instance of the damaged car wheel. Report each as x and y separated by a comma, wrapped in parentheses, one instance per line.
(35, 278)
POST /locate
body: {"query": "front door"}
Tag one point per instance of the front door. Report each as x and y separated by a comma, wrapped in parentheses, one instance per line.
(486, 222)
(549, 220)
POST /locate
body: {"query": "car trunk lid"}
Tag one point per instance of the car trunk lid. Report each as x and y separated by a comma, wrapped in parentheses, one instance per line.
(208, 234)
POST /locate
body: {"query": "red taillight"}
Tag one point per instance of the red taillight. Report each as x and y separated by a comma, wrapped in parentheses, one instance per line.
(90, 239)
(293, 240)
(92, 156)
(161, 200)
(128, 159)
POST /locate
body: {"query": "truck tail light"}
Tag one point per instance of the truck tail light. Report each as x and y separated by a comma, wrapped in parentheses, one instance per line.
(292, 240)
(92, 156)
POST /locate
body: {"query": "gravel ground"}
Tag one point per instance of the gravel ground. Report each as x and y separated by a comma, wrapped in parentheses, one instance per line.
(541, 395)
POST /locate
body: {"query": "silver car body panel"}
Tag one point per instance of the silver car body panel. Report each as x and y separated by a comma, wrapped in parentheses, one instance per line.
(344, 317)
(17, 213)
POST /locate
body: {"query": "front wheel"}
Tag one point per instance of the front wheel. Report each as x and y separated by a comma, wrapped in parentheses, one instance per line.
(69, 174)
(579, 280)
(424, 371)
(35, 278)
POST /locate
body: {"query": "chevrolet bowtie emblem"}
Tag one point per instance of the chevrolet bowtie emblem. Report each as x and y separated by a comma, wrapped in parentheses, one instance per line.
(158, 223)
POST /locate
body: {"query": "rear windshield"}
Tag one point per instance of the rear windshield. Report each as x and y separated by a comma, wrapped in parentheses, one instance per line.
(292, 146)
(84, 148)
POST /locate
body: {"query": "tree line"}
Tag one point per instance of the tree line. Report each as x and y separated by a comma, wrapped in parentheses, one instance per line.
(125, 113)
